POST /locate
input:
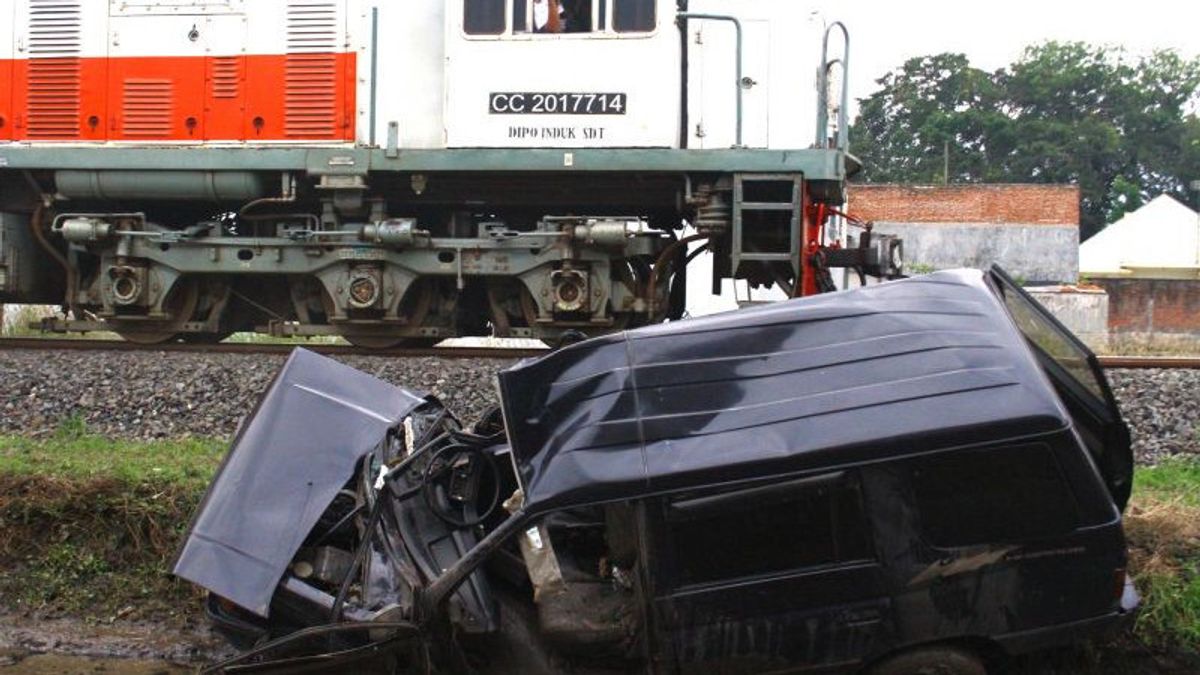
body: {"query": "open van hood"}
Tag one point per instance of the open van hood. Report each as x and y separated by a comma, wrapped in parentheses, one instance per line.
(290, 458)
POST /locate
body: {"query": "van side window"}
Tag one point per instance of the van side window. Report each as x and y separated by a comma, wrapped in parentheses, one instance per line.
(483, 17)
(766, 530)
(633, 16)
(991, 496)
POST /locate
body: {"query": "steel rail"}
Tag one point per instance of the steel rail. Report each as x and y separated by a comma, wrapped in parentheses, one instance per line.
(1148, 362)
(86, 344)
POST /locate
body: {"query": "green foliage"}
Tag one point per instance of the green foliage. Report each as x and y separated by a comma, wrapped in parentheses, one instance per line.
(1123, 129)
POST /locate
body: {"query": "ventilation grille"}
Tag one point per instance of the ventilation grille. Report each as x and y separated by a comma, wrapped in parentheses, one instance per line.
(147, 108)
(310, 89)
(227, 77)
(55, 33)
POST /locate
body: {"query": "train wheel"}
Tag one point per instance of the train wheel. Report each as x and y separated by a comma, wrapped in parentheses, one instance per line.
(181, 304)
(414, 307)
(213, 304)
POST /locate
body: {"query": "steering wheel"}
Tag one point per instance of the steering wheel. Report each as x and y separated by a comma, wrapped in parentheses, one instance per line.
(454, 484)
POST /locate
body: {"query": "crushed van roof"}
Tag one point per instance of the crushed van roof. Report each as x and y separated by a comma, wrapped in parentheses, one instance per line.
(802, 385)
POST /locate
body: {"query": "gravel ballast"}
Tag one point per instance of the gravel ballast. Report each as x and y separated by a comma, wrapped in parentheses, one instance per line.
(147, 395)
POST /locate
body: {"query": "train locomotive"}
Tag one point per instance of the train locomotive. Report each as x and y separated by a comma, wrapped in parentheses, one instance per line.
(403, 172)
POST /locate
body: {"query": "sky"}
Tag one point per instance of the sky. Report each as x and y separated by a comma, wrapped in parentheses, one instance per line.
(993, 34)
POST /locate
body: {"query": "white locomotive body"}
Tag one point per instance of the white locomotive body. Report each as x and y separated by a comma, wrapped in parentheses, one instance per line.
(392, 171)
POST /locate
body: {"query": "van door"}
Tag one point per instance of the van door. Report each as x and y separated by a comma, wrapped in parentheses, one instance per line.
(1080, 383)
(766, 578)
(562, 74)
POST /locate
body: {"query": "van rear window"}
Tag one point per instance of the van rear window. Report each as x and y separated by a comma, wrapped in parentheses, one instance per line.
(992, 496)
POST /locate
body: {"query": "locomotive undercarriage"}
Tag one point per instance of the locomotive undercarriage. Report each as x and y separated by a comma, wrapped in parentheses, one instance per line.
(333, 260)
(410, 259)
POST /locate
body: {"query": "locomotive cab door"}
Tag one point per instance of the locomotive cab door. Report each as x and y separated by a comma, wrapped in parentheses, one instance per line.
(781, 40)
(562, 74)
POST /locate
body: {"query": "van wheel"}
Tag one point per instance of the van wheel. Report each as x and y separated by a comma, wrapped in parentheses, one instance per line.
(932, 661)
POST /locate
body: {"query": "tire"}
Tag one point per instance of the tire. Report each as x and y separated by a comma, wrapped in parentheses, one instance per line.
(931, 661)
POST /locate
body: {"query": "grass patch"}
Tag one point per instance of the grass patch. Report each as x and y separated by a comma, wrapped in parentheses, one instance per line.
(89, 525)
(1174, 480)
(1163, 528)
(72, 453)
(93, 548)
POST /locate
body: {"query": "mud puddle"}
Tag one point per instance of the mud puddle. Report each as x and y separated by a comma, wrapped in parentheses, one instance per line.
(35, 646)
(59, 664)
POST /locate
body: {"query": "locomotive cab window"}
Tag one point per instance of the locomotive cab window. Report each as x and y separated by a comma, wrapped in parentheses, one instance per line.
(488, 17)
(633, 16)
(483, 17)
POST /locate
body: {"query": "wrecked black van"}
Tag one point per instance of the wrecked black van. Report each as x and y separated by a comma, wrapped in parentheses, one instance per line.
(927, 473)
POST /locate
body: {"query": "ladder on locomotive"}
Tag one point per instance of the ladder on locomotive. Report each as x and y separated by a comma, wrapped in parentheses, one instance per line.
(741, 249)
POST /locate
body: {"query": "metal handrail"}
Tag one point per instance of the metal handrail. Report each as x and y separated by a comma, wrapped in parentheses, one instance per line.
(738, 82)
(843, 140)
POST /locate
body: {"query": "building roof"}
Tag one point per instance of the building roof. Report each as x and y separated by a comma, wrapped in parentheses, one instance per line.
(1160, 239)
(803, 385)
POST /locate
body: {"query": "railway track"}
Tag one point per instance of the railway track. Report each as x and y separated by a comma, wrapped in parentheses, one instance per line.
(77, 344)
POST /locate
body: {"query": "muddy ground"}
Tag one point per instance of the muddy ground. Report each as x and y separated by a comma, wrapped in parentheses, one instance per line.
(70, 647)
(43, 646)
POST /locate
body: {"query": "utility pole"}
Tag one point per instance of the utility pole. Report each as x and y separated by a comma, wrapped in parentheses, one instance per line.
(1195, 186)
(945, 162)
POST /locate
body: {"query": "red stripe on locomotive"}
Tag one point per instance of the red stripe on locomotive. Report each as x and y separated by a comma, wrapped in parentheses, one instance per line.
(223, 98)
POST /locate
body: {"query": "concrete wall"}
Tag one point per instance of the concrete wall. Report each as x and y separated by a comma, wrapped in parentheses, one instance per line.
(1083, 310)
(1031, 230)
(1153, 306)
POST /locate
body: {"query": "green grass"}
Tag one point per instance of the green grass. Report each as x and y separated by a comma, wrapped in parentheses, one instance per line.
(1163, 528)
(89, 525)
(1173, 479)
(72, 453)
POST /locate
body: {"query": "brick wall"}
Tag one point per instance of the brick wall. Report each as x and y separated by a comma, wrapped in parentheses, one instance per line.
(1161, 306)
(998, 204)
(1030, 230)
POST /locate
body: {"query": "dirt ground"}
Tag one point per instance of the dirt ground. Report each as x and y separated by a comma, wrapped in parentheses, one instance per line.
(36, 647)
(72, 647)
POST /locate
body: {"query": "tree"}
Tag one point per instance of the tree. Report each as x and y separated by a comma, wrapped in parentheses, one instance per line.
(1123, 130)
(902, 130)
